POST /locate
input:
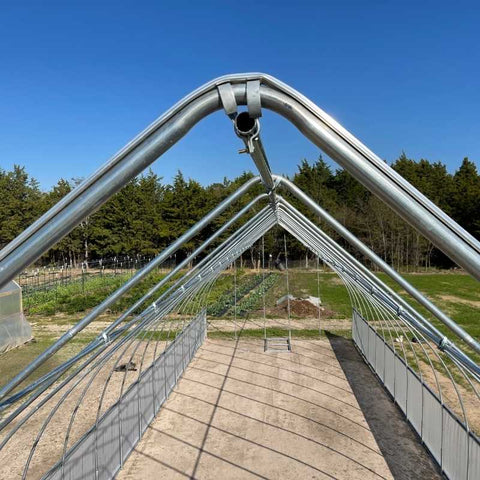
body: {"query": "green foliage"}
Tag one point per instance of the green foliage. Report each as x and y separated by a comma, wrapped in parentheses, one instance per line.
(20, 203)
(82, 295)
(146, 215)
(254, 299)
(222, 299)
(466, 197)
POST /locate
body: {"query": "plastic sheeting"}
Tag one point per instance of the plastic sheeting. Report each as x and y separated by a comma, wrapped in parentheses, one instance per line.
(14, 328)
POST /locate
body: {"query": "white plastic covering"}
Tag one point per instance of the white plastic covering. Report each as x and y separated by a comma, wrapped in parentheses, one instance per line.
(14, 328)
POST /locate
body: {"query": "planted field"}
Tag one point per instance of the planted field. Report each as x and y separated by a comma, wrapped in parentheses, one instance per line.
(239, 296)
(457, 294)
(82, 295)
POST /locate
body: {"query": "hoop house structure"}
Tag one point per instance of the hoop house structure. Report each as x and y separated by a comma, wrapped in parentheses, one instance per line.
(429, 375)
(14, 328)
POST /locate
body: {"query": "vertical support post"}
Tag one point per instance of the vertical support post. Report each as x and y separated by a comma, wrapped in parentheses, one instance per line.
(120, 431)
(83, 280)
(318, 295)
(263, 288)
(235, 299)
(288, 293)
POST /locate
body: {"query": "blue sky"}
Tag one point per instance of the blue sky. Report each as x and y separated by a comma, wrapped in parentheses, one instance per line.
(79, 79)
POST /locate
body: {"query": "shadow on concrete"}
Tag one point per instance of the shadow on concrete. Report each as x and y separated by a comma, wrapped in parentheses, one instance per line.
(295, 386)
(399, 444)
(258, 412)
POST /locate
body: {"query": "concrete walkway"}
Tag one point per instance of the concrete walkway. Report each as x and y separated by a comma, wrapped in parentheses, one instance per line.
(315, 413)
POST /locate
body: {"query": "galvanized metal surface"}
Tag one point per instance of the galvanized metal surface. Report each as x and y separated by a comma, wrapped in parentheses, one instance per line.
(139, 275)
(454, 447)
(365, 290)
(399, 343)
(184, 292)
(370, 170)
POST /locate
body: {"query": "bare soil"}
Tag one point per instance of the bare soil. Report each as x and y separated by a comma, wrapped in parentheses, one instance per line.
(78, 410)
(300, 308)
(295, 324)
(464, 301)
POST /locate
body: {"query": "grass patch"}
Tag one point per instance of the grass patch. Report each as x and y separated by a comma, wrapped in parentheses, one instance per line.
(333, 294)
(73, 302)
(13, 361)
(158, 335)
(451, 292)
(437, 284)
(81, 295)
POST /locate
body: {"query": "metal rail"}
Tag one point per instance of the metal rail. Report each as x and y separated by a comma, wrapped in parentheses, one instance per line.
(403, 198)
(334, 255)
(374, 303)
(139, 275)
(381, 318)
(391, 272)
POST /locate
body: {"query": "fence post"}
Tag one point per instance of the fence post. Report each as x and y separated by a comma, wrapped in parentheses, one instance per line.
(83, 279)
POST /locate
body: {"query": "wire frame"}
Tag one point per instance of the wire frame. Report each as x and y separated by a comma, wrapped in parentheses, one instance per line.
(84, 417)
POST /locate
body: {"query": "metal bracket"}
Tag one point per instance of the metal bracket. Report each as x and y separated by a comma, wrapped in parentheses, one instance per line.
(253, 99)
(445, 342)
(227, 97)
(250, 147)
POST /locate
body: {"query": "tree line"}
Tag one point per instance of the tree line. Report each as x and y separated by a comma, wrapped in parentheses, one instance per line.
(148, 214)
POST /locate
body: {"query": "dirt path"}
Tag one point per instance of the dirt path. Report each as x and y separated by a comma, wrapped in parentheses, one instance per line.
(464, 301)
(296, 324)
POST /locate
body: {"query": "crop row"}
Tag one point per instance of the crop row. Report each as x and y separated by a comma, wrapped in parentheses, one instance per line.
(252, 301)
(226, 300)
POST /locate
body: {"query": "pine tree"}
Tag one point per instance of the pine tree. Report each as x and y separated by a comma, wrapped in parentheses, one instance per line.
(20, 203)
(466, 197)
